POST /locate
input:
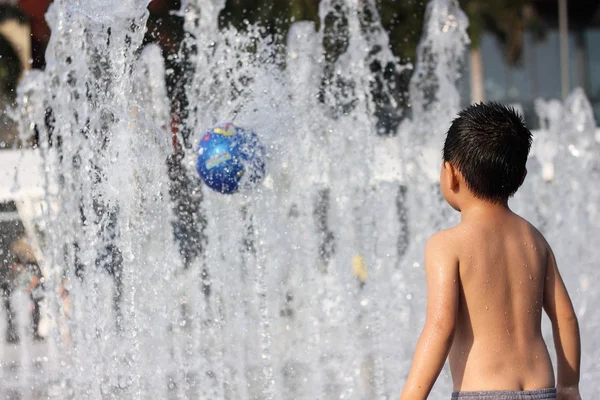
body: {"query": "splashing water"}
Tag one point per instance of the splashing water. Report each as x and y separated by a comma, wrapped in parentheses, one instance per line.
(310, 286)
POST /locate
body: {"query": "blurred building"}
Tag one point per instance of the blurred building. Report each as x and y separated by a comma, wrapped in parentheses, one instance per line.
(538, 73)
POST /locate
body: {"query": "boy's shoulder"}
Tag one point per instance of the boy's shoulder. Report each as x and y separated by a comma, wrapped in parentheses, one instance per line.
(462, 235)
(448, 236)
(446, 240)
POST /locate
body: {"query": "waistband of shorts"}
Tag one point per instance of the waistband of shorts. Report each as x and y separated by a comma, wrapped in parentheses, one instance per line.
(541, 394)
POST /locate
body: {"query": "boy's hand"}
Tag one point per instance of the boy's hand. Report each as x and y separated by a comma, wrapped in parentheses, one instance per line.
(568, 393)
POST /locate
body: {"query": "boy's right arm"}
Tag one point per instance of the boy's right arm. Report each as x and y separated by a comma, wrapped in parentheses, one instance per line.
(565, 329)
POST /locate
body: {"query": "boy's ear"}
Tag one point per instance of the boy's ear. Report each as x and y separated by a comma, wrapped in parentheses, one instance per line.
(452, 175)
(524, 176)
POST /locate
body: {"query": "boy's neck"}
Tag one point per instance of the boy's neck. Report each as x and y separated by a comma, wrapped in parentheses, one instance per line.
(482, 208)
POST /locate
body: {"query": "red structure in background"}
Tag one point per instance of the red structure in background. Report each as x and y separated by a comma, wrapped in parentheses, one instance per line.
(158, 31)
(40, 32)
(161, 7)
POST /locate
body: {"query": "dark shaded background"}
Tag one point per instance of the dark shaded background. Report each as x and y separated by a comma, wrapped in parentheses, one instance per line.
(506, 20)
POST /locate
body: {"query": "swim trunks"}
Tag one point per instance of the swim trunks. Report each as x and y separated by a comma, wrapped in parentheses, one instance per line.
(542, 394)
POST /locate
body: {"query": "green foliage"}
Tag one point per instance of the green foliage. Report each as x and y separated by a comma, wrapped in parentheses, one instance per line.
(275, 15)
(506, 19)
(402, 19)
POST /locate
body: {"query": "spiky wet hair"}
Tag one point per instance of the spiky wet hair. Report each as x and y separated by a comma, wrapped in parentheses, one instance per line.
(489, 144)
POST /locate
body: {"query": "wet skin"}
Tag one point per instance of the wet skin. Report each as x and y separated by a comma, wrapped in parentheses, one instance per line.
(498, 343)
(488, 280)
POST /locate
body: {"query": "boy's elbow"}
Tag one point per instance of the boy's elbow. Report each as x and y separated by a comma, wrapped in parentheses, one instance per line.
(573, 321)
(568, 320)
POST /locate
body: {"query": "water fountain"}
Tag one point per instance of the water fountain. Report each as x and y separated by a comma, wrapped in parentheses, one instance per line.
(310, 286)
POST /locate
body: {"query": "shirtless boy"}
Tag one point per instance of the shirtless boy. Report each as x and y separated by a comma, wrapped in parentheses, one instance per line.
(490, 276)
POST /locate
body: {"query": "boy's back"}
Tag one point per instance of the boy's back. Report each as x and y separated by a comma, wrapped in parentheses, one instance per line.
(490, 277)
(498, 337)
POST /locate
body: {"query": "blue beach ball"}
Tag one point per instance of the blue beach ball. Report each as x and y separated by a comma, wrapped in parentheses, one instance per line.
(230, 158)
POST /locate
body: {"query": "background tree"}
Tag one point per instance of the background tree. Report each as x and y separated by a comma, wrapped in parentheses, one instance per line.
(275, 15)
(507, 20)
(403, 20)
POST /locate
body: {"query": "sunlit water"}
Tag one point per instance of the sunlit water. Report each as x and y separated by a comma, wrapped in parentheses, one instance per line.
(310, 286)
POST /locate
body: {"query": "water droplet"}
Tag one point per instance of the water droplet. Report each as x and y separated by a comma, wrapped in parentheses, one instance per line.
(530, 277)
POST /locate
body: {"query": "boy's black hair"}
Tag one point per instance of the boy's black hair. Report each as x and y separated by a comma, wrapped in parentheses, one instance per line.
(489, 144)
